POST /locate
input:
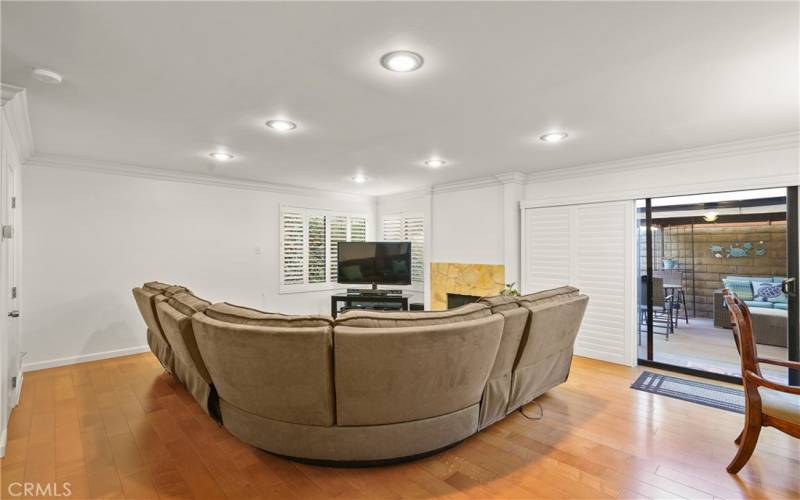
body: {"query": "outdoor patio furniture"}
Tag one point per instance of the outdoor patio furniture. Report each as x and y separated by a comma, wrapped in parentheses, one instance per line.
(662, 308)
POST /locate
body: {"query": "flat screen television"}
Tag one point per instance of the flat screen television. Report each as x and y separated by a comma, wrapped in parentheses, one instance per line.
(374, 262)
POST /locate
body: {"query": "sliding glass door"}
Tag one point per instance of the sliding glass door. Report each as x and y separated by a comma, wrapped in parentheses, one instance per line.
(689, 249)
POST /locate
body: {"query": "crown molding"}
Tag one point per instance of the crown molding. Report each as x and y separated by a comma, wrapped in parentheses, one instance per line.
(475, 183)
(790, 140)
(103, 167)
(512, 178)
(14, 101)
(406, 195)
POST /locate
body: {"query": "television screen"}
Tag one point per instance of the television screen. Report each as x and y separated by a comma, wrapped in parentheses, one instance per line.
(380, 262)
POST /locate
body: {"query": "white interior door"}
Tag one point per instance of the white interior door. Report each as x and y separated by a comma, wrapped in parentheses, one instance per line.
(9, 276)
(589, 246)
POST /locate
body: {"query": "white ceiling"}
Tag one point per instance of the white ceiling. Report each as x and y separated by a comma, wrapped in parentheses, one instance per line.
(163, 84)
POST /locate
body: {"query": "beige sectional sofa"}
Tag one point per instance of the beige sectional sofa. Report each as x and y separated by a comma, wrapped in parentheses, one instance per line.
(368, 386)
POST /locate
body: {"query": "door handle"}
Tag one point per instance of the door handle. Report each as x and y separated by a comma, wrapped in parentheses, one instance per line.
(13, 314)
(785, 286)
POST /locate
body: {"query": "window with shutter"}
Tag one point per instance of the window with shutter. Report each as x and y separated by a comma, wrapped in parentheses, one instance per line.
(309, 244)
(409, 228)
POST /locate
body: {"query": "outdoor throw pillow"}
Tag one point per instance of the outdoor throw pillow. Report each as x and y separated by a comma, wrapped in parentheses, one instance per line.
(768, 292)
(741, 288)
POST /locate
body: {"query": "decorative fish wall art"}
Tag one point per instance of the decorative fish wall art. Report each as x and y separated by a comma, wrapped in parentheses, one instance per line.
(739, 250)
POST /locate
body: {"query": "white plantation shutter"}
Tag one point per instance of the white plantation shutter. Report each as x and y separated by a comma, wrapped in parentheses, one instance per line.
(589, 246)
(547, 262)
(358, 229)
(409, 228)
(414, 231)
(292, 247)
(338, 227)
(392, 228)
(309, 241)
(317, 258)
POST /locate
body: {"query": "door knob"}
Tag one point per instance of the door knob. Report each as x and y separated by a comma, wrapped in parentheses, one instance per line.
(13, 314)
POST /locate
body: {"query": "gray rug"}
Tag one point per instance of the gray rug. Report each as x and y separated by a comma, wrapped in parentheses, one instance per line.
(715, 396)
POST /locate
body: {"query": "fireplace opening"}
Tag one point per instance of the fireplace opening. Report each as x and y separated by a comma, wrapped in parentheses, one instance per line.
(457, 300)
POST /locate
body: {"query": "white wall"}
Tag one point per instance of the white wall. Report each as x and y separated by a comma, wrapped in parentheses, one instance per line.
(91, 237)
(468, 225)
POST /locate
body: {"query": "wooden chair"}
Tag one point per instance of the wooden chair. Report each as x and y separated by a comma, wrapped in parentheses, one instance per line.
(767, 403)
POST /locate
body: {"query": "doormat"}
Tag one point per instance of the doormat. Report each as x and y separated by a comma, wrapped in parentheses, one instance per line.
(715, 396)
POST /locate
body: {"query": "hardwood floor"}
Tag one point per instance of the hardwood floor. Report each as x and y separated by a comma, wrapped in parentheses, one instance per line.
(122, 428)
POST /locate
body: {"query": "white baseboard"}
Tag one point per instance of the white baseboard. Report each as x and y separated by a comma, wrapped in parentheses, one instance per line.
(17, 390)
(83, 358)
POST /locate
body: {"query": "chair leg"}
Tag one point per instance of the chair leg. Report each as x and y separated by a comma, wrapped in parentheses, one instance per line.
(739, 439)
(746, 447)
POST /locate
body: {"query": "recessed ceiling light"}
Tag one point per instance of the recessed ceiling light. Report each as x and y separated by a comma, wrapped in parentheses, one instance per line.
(360, 178)
(435, 163)
(220, 156)
(47, 76)
(281, 125)
(711, 216)
(552, 137)
(402, 61)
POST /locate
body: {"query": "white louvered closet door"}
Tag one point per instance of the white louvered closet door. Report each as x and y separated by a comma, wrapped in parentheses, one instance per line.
(591, 247)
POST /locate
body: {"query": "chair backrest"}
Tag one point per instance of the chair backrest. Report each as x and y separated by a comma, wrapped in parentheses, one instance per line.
(743, 332)
(658, 291)
(672, 276)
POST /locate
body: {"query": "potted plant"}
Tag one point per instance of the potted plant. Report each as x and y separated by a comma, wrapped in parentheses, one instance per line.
(509, 290)
(670, 262)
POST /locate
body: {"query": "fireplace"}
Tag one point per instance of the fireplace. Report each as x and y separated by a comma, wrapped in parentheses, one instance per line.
(466, 280)
(457, 300)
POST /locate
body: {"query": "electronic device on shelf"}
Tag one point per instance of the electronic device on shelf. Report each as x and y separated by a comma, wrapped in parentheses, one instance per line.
(373, 292)
(374, 263)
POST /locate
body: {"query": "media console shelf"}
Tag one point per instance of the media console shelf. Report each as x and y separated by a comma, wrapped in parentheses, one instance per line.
(351, 299)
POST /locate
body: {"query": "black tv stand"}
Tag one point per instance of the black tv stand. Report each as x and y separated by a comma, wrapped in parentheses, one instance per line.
(369, 300)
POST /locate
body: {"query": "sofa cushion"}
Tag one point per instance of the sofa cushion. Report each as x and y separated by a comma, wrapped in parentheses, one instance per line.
(556, 294)
(500, 303)
(188, 304)
(768, 292)
(781, 305)
(166, 289)
(758, 304)
(231, 313)
(379, 319)
(742, 288)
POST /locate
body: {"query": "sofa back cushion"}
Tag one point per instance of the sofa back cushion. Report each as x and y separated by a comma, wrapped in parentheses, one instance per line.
(545, 354)
(164, 288)
(146, 302)
(553, 295)
(175, 316)
(742, 288)
(401, 374)
(499, 303)
(280, 373)
(187, 303)
(379, 319)
(240, 315)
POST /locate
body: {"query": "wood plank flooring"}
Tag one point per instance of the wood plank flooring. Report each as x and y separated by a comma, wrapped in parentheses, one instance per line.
(121, 428)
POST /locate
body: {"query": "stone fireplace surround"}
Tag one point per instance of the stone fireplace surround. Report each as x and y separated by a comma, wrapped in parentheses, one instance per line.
(478, 280)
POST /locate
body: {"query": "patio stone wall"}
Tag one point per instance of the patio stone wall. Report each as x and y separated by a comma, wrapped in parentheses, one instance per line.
(676, 242)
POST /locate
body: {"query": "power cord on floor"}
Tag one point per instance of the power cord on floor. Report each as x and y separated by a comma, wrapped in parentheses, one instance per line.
(541, 411)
